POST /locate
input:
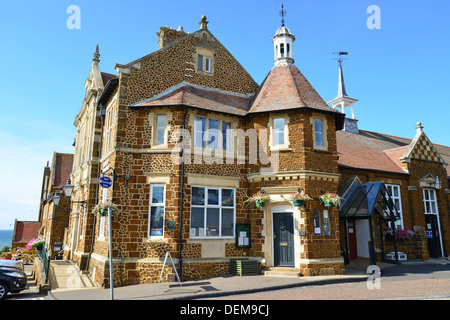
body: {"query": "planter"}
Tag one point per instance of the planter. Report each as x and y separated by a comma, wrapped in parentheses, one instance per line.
(260, 204)
(328, 204)
(298, 203)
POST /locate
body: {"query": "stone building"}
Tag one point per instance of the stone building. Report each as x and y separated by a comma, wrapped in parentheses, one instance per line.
(187, 135)
(54, 207)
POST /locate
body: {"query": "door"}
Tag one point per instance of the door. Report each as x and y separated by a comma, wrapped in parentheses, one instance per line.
(352, 246)
(434, 241)
(283, 234)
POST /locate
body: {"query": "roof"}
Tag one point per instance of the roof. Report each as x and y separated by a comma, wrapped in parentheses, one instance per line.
(24, 231)
(186, 94)
(285, 88)
(377, 151)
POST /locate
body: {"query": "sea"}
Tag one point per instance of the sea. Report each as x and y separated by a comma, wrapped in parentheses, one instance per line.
(5, 238)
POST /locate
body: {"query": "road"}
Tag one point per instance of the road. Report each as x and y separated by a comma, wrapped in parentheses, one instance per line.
(406, 281)
(419, 281)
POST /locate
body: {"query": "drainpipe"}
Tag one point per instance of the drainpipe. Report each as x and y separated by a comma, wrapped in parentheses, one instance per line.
(102, 116)
(180, 259)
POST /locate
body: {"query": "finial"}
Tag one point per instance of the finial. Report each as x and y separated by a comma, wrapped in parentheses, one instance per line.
(419, 127)
(96, 54)
(203, 23)
(282, 14)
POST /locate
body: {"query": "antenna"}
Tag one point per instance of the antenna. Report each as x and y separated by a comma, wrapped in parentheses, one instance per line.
(283, 13)
(341, 54)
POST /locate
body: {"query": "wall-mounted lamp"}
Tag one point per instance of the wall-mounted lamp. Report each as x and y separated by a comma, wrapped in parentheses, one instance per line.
(68, 189)
(437, 184)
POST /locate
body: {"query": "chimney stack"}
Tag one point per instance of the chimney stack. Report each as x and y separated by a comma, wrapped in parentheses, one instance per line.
(167, 36)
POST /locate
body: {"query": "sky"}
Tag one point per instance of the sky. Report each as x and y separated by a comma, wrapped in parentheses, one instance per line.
(398, 65)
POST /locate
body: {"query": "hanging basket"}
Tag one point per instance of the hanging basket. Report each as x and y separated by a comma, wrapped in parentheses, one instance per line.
(328, 204)
(298, 203)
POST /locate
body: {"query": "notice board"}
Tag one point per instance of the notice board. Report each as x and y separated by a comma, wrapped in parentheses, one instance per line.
(243, 235)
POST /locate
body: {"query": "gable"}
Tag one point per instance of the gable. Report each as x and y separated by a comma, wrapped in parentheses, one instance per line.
(177, 63)
(422, 149)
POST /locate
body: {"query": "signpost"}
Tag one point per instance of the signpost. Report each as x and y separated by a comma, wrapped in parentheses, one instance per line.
(106, 183)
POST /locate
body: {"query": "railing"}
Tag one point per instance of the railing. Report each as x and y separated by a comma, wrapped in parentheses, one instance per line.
(43, 254)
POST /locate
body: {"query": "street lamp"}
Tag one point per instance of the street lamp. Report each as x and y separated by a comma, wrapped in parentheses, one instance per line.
(438, 183)
(56, 199)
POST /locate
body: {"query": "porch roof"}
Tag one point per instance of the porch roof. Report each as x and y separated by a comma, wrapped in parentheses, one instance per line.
(361, 201)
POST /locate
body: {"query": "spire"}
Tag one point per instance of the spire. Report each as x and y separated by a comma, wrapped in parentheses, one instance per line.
(341, 84)
(96, 55)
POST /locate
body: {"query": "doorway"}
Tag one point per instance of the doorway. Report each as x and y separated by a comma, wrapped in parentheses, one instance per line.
(352, 242)
(283, 239)
(433, 235)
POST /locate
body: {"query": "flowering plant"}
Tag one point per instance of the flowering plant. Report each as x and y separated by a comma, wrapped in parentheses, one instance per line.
(300, 196)
(400, 234)
(259, 199)
(330, 198)
(33, 243)
(102, 209)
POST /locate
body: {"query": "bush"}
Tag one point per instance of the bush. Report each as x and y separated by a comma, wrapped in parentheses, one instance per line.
(6, 249)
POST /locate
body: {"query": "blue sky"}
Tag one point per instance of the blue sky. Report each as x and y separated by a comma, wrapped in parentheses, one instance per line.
(399, 73)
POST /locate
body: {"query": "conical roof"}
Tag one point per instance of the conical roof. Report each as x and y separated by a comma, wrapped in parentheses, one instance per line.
(284, 88)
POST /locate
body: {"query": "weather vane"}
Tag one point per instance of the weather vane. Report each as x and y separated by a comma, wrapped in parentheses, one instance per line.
(282, 14)
(341, 54)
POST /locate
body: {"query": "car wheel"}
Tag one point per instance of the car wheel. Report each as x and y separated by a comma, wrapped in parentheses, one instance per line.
(3, 291)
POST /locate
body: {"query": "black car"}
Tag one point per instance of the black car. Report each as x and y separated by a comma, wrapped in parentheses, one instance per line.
(11, 280)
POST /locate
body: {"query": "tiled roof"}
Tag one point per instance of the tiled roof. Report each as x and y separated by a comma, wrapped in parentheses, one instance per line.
(26, 230)
(285, 88)
(186, 94)
(107, 76)
(376, 151)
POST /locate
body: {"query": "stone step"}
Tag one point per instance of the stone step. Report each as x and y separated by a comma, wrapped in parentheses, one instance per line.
(281, 272)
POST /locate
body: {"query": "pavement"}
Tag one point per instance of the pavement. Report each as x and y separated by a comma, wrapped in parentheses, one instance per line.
(71, 289)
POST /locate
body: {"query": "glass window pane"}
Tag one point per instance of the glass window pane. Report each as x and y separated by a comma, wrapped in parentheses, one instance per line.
(213, 196)
(425, 193)
(160, 128)
(431, 195)
(433, 207)
(228, 197)
(317, 225)
(199, 132)
(227, 135)
(212, 222)
(207, 61)
(395, 191)
(318, 132)
(213, 134)
(278, 129)
(200, 63)
(156, 221)
(157, 194)
(227, 222)
(198, 196)
(197, 222)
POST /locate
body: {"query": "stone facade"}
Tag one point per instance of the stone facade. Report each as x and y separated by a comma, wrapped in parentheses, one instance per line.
(126, 142)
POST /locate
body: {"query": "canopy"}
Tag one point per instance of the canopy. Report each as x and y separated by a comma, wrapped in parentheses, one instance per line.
(360, 201)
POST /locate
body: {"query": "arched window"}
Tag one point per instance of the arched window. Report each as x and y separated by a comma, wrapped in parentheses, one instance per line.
(317, 224)
(282, 50)
(326, 223)
(288, 50)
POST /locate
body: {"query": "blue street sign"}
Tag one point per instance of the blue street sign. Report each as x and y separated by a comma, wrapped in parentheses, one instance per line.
(105, 182)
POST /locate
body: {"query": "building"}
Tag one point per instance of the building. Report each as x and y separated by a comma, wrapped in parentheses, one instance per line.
(187, 136)
(54, 207)
(24, 231)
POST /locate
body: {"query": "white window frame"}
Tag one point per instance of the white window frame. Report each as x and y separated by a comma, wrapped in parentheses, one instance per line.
(207, 64)
(164, 135)
(391, 187)
(317, 132)
(276, 133)
(430, 201)
(219, 206)
(163, 204)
